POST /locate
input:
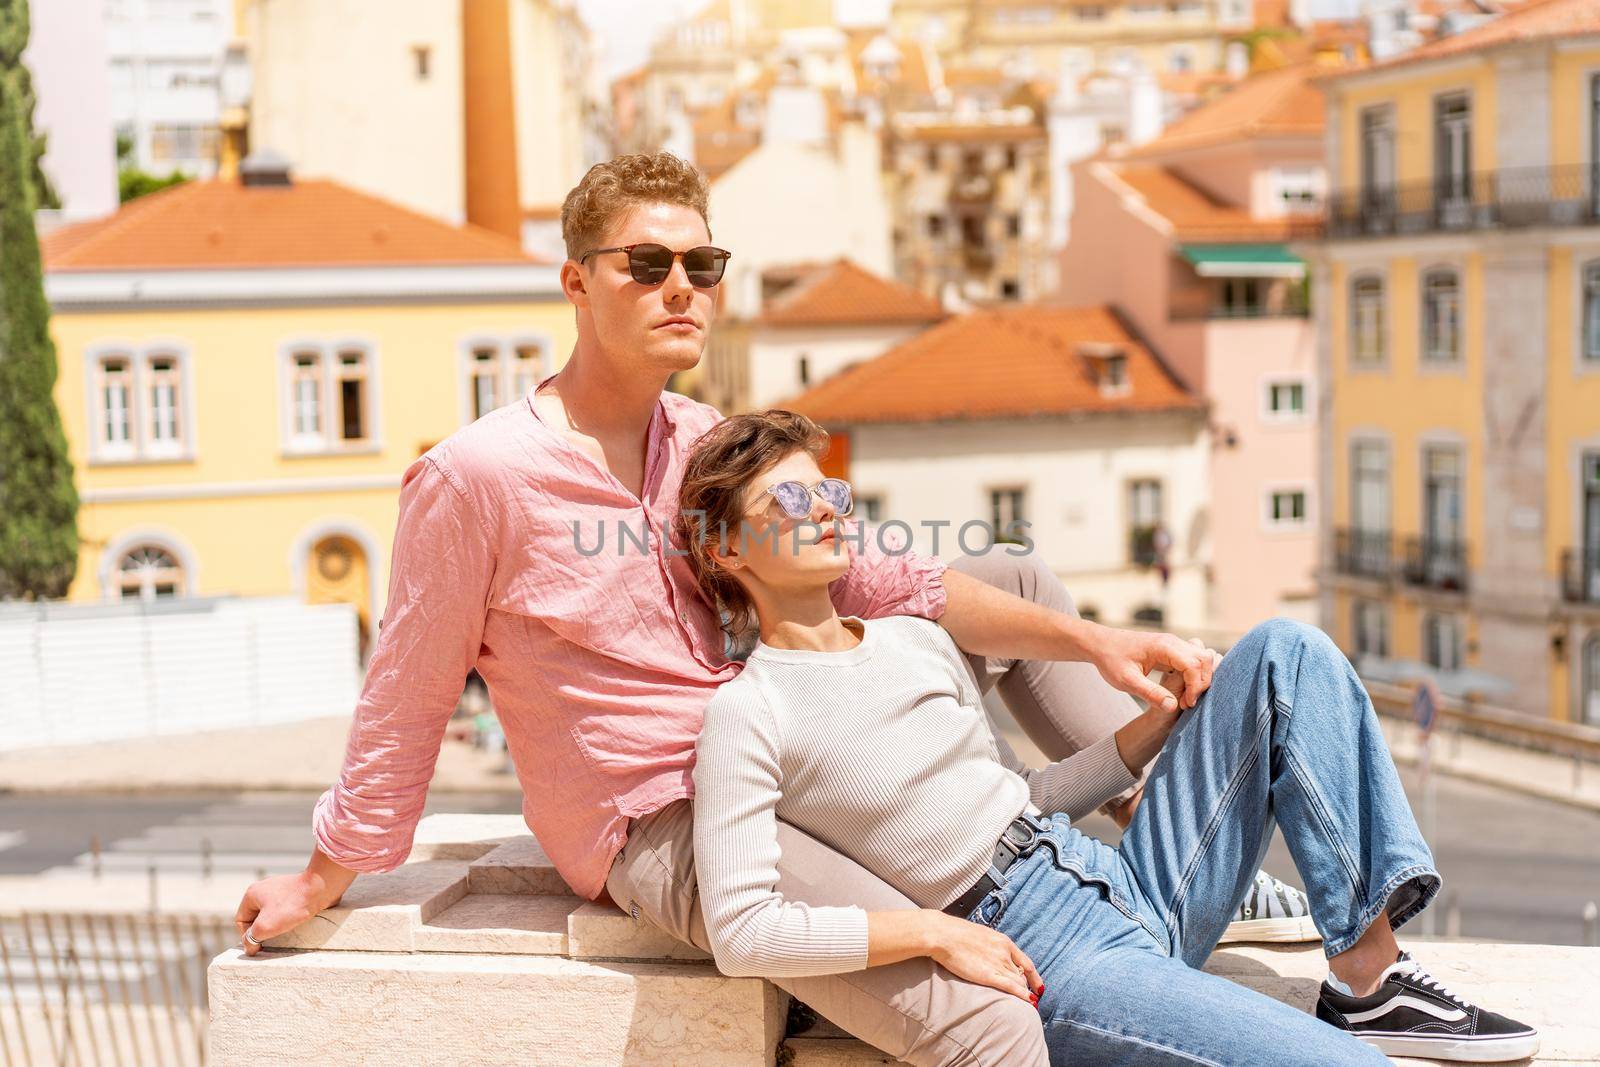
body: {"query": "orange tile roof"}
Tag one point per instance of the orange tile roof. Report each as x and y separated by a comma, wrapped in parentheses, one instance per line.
(843, 293)
(1534, 21)
(225, 224)
(1197, 216)
(1275, 103)
(1008, 362)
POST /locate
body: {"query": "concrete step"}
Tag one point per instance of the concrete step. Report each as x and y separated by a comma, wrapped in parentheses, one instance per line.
(518, 865)
(514, 923)
(295, 1008)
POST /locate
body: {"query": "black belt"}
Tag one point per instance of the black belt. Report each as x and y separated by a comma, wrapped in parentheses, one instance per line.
(1016, 840)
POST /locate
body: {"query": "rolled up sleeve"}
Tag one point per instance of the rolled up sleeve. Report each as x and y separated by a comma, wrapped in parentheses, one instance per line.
(885, 577)
(441, 569)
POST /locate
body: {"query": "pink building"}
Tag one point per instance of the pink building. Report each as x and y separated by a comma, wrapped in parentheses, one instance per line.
(1187, 236)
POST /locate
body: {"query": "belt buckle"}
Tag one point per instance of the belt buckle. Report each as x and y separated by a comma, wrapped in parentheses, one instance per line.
(1017, 848)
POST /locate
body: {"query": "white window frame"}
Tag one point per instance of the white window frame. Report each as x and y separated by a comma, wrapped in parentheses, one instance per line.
(1457, 654)
(141, 445)
(1268, 385)
(1275, 525)
(505, 346)
(168, 541)
(1425, 360)
(1379, 612)
(326, 440)
(1353, 359)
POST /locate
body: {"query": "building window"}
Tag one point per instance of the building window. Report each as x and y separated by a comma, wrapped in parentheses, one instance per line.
(1298, 189)
(1286, 508)
(115, 391)
(1113, 374)
(306, 396)
(871, 507)
(1591, 681)
(933, 158)
(1370, 622)
(1286, 400)
(1452, 159)
(1090, 13)
(1441, 317)
(803, 369)
(1149, 615)
(1013, 224)
(147, 572)
(1591, 313)
(138, 399)
(499, 371)
(1441, 496)
(1144, 519)
(1180, 60)
(1011, 164)
(330, 398)
(1441, 641)
(1377, 158)
(1010, 289)
(420, 55)
(1007, 513)
(1366, 320)
(1369, 487)
(935, 225)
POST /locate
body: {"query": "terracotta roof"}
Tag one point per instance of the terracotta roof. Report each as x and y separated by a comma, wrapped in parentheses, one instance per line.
(1195, 215)
(842, 293)
(1535, 21)
(996, 363)
(1276, 103)
(223, 223)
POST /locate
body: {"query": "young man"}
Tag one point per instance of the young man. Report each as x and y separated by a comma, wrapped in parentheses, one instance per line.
(600, 663)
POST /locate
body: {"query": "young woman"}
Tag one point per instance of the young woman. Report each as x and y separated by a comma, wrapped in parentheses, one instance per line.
(870, 735)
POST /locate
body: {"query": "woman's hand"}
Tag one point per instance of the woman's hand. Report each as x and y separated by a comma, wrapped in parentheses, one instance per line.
(1125, 658)
(975, 952)
(1173, 680)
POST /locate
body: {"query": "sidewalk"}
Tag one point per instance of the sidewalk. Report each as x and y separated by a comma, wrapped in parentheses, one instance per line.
(301, 756)
(1535, 774)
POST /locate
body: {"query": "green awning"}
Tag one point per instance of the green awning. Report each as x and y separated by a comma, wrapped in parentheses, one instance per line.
(1243, 260)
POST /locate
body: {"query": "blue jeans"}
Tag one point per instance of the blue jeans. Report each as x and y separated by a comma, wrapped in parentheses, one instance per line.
(1286, 733)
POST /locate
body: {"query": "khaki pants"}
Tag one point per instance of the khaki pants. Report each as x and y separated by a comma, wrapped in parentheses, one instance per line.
(914, 1010)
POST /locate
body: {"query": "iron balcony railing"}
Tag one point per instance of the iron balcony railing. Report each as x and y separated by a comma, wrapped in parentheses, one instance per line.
(1436, 563)
(1363, 553)
(1567, 195)
(1580, 575)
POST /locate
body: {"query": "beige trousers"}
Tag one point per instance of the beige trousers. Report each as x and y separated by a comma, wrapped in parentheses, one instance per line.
(914, 1010)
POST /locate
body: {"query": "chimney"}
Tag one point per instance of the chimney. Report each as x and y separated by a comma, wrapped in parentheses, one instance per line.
(264, 169)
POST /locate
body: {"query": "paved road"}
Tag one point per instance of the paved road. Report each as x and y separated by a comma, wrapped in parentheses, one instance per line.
(1518, 869)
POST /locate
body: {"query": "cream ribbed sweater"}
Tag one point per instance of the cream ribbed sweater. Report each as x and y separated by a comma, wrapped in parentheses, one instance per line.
(883, 751)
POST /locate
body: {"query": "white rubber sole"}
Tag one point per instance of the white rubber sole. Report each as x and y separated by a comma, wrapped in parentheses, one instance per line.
(1274, 930)
(1456, 1049)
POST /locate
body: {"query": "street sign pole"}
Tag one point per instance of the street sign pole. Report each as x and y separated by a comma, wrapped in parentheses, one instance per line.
(1424, 710)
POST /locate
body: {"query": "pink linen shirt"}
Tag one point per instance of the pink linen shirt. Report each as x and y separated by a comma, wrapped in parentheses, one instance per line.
(600, 663)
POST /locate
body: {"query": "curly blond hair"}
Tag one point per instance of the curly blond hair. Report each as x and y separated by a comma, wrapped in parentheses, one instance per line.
(721, 464)
(612, 187)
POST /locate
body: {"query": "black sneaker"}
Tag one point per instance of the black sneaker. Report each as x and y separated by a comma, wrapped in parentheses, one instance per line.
(1411, 1014)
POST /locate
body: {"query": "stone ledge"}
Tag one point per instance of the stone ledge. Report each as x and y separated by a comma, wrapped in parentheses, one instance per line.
(478, 926)
(1553, 988)
(295, 1008)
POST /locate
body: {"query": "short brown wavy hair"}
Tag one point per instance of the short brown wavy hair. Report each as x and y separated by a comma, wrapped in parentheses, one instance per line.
(711, 496)
(612, 187)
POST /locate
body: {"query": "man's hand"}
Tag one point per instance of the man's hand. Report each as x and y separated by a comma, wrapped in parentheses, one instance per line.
(277, 905)
(1125, 658)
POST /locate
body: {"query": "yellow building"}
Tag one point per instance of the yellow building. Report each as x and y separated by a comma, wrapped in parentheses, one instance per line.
(247, 367)
(1458, 305)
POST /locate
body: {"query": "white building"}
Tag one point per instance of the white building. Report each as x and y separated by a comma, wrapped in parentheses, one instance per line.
(165, 62)
(1055, 417)
(67, 58)
(815, 320)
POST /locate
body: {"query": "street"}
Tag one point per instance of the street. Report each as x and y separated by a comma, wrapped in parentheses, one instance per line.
(1516, 868)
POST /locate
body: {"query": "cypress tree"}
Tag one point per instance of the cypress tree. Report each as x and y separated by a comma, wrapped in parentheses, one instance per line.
(38, 504)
